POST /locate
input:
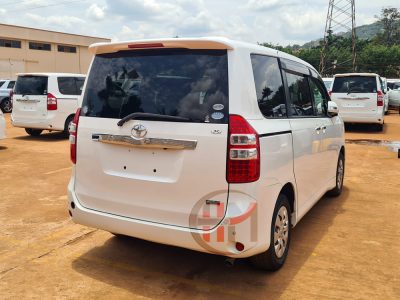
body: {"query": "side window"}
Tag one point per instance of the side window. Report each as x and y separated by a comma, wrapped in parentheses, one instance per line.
(11, 84)
(320, 99)
(67, 85)
(269, 86)
(299, 95)
(79, 84)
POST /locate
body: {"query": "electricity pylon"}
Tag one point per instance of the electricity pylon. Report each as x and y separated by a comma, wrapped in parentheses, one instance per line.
(340, 19)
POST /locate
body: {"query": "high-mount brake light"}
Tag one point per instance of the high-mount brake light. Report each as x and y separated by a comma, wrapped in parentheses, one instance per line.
(243, 161)
(145, 46)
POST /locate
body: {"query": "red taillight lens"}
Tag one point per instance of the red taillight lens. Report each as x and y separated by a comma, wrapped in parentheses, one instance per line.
(330, 93)
(73, 132)
(380, 99)
(51, 102)
(243, 152)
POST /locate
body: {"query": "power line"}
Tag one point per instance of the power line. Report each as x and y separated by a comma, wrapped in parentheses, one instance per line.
(45, 6)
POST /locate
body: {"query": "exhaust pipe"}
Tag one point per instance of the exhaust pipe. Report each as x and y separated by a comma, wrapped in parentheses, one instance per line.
(229, 262)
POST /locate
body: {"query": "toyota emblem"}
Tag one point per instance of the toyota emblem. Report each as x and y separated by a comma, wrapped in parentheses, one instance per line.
(138, 132)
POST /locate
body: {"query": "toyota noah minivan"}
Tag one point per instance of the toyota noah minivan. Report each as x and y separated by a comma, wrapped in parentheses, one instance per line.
(208, 144)
(45, 101)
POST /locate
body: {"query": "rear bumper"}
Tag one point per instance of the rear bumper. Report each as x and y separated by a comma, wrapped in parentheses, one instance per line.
(377, 118)
(45, 123)
(256, 240)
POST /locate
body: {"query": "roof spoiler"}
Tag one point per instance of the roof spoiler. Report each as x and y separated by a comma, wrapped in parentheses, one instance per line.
(199, 43)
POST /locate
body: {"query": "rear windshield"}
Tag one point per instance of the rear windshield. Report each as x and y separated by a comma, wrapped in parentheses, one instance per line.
(393, 85)
(192, 84)
(31, 85)
(354, 84)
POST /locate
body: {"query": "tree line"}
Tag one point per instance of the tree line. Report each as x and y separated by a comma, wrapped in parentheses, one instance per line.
(379, 54)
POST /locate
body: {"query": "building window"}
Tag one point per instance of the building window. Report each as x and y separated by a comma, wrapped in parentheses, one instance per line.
(39, 46)
(67, 49)
(10, 43)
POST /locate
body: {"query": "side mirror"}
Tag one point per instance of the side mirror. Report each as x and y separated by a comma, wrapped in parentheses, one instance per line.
(333, 109)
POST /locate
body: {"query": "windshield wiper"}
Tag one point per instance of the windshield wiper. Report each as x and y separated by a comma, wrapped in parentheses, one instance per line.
(149, 116)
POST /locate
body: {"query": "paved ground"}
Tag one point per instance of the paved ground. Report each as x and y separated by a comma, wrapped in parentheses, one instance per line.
(345, 247)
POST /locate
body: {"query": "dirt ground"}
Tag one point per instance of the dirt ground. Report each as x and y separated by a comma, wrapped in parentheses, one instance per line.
(346, 247)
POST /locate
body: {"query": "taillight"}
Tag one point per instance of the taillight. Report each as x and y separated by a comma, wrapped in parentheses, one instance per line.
(243, 162)
(73, 131)
(330, 93)
(380, 99)
(51, 102)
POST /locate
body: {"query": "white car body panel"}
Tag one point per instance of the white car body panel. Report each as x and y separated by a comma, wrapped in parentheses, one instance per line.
(30, 111)
(101, 192)
(394, 94)
(2, 126)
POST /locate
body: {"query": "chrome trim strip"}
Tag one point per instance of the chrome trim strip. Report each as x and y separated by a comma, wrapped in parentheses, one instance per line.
(126, 140)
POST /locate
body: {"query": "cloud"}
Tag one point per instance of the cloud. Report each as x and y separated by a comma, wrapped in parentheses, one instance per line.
(57, 21)
(95, 12)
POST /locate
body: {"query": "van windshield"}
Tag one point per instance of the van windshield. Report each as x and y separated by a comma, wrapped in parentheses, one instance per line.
(31, 85)
(192, 84)
(354, 84)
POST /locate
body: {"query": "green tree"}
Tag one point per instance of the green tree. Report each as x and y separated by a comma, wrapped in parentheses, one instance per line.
(390, 19)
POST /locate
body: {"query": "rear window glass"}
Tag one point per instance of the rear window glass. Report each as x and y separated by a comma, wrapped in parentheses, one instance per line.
(1, 83)
(269, 86)
(31, 85)
(355, 84)
(394, 85)
(192, 84)
(70, 85)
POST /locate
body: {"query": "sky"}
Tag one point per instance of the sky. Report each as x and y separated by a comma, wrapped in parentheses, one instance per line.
(280, 22)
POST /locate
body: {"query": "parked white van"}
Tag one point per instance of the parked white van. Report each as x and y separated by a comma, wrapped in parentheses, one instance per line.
(46, 101)
(360, 98)
(207, 143)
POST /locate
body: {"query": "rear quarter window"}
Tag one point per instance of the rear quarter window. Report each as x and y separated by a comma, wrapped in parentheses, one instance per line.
(70, 85)
(192, 84)
(269, 86)
(355, 84)
(31, 85)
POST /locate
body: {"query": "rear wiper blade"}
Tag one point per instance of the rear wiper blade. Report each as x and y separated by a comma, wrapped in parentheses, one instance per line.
(149, 116)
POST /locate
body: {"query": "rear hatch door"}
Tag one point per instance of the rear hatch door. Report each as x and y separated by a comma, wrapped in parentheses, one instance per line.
(355, 94)
(30, 98)
(167, 159)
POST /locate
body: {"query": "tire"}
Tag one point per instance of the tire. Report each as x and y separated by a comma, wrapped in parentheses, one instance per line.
(66, 125)
(33, 132)
(6, 105)
(274, 258)
(379, 127)
(337, 190)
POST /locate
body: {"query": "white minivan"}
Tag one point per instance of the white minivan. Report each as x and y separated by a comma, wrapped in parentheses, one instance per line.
(360, 98)
(45, 101)
(206, 143)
